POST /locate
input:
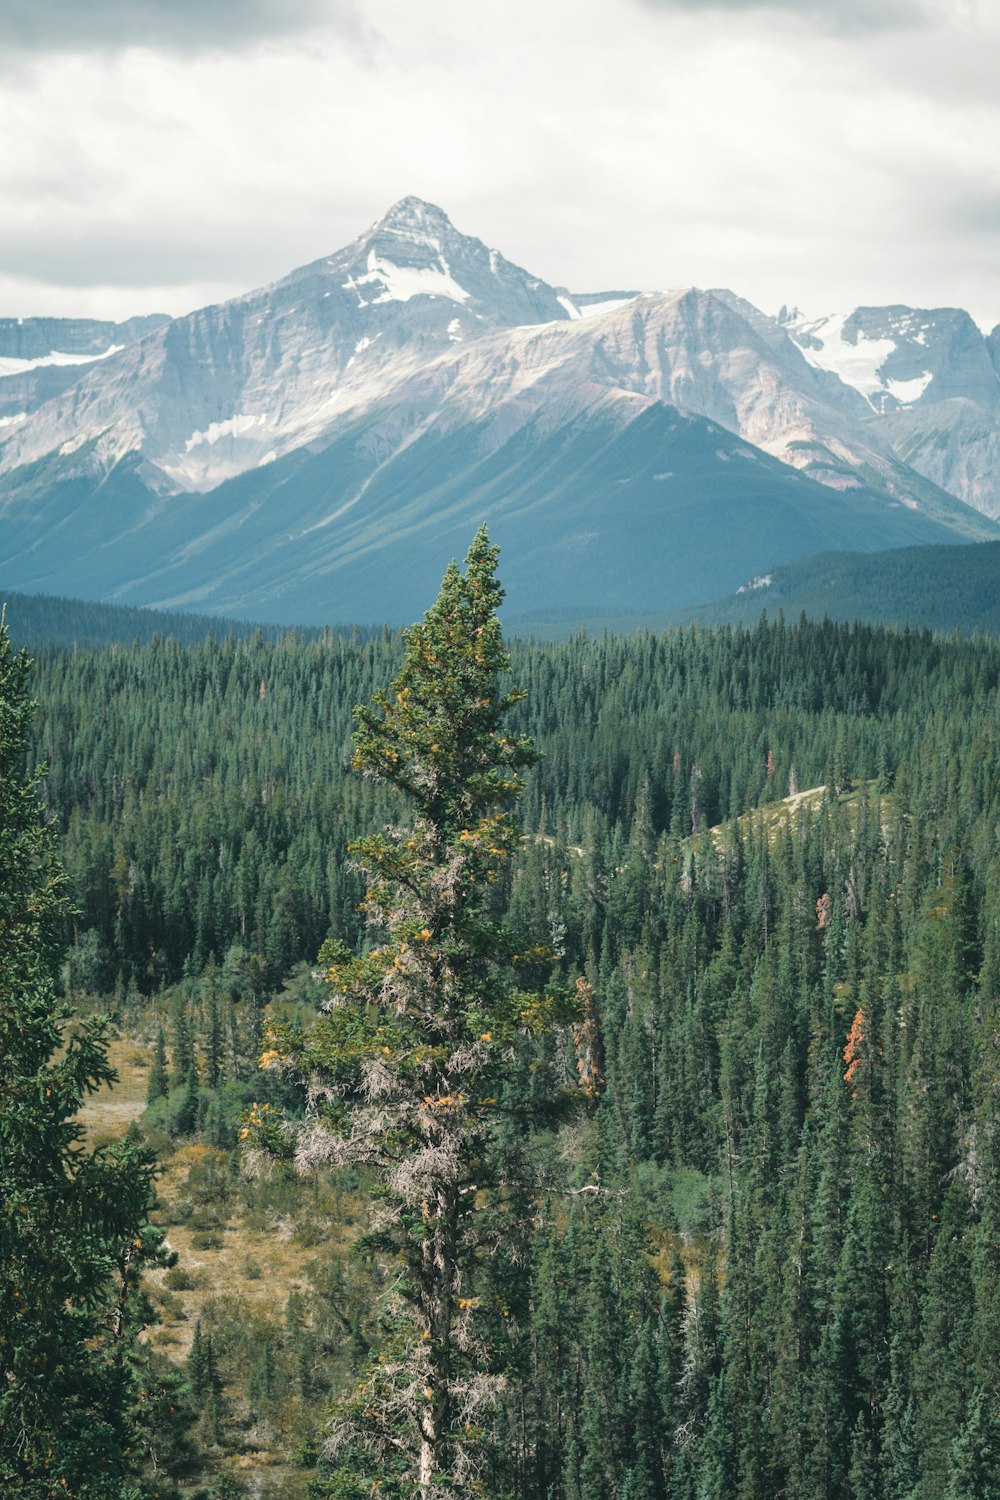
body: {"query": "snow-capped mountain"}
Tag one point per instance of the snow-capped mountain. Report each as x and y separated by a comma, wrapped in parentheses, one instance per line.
(338, 426)
(235, 386)
(931, 377)
(39, 357)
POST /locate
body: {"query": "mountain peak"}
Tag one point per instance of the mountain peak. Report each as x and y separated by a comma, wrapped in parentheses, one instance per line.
(415, 252)
(412, 213)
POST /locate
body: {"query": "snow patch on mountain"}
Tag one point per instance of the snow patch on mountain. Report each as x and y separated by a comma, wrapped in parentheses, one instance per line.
(857, 363)
(10, 366)
(400, 283)
(598, 309)
(908, 391)
(235, 426)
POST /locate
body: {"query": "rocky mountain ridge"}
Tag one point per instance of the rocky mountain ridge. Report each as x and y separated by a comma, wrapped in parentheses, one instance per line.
(932, 382)
(339, 382)
(40, 357)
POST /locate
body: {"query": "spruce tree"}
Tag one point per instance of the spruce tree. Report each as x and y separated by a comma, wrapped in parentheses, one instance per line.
(975, 1453)
(415, 1058)
(197, 1364)
(159, 1077)
(73, 1231)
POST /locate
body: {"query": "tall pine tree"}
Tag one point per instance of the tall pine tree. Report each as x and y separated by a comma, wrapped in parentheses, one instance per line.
(414, 1065)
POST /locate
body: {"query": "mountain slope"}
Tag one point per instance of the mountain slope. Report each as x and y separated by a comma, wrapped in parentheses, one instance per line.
(41, 357)
(570, 505)
(936, 588)
(230, 387)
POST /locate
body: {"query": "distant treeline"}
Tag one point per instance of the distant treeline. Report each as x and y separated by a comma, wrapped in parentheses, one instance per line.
(43, 621)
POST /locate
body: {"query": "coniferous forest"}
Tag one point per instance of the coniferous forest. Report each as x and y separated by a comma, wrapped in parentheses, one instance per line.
(751, 1245)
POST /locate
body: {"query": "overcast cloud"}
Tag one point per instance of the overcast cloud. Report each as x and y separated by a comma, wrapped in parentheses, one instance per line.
(831, 15)
(184, 25)
(157, 157)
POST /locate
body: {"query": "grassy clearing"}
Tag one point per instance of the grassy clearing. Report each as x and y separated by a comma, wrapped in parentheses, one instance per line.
(774, 817)
(244, 1248)
(107, 1115)
(259, 1248)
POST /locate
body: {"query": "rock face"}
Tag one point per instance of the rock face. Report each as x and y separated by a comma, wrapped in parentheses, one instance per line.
(35, 340)
(234, 386)
(40, 357)
(931, 378)
(374, 404)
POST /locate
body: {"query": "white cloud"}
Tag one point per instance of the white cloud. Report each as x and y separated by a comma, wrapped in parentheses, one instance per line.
(608, 145)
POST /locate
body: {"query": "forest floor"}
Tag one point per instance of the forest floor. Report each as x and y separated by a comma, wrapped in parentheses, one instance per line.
(243, 1247)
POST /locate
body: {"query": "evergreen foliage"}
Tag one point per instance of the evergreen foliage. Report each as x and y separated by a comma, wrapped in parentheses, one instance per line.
(788, 1039)
(75, 1389)
(411, 1065)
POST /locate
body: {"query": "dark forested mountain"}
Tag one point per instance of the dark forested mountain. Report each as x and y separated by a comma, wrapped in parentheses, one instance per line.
(930, 588)
(40, 621)
(767, 1260)
(317, 444)
(935, 588)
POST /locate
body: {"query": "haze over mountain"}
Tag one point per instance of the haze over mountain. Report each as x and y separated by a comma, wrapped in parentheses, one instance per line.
(314, 449)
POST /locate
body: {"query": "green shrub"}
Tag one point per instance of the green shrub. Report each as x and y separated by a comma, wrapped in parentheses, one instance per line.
(179, 1280)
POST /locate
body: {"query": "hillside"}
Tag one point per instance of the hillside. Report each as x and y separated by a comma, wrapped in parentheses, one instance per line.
(930, 588)
(924, 588)
(46, 621)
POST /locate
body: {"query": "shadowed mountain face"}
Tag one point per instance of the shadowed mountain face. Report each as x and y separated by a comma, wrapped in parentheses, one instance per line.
(316, 449)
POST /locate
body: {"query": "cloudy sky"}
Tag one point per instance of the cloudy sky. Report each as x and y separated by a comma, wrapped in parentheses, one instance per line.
(160, 154)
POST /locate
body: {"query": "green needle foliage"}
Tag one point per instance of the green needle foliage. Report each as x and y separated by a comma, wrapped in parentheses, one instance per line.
(791, 1045)
(412, 1068)
(73, 1231)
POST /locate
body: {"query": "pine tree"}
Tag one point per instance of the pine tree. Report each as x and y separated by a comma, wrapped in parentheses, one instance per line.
(73, 1231)
(975, 1453)
(185, 1066)
(158, 1075)
(416, 1056)
(214, 1043)
(262, 1380)
(197, 1363)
